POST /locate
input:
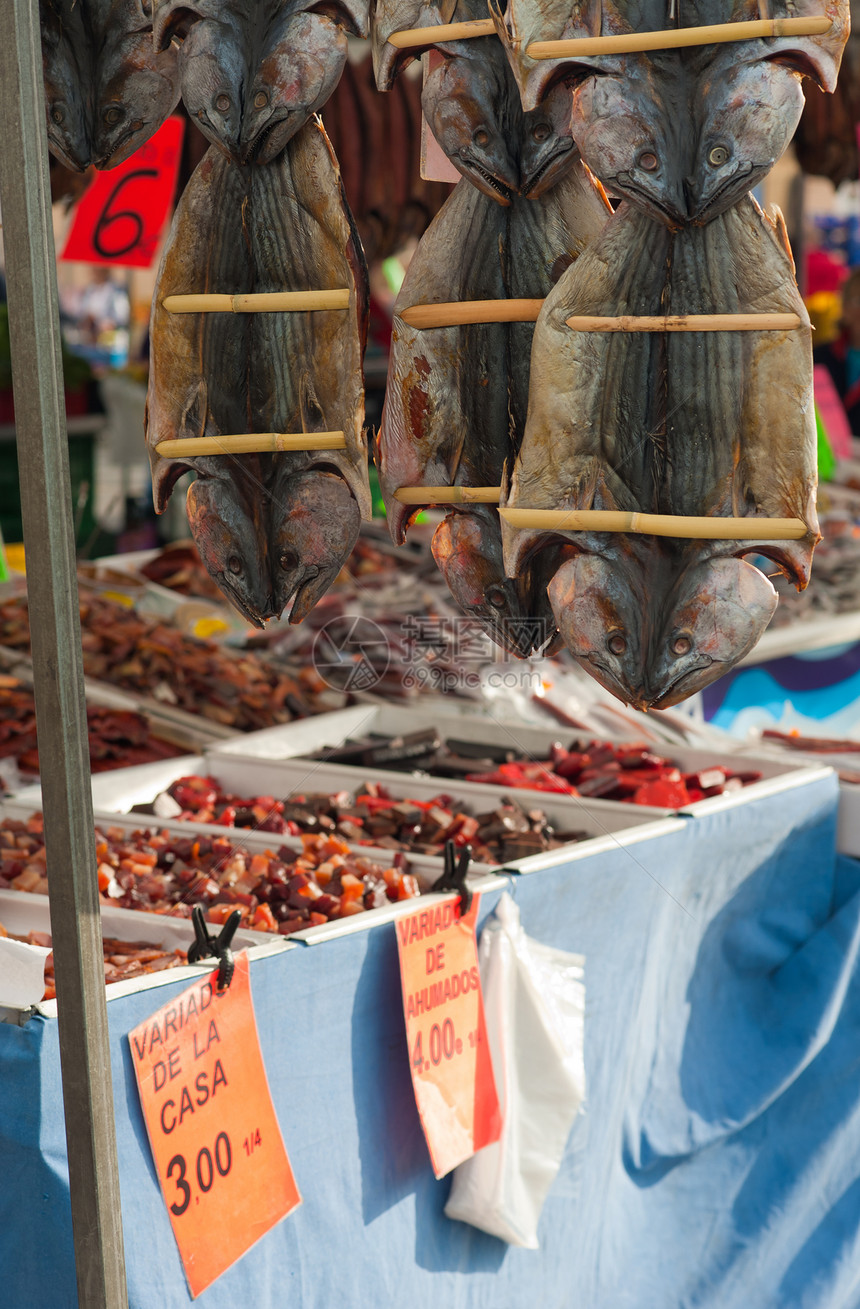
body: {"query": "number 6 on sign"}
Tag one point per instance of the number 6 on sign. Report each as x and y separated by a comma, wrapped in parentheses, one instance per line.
(121, 215)
(211, 1124)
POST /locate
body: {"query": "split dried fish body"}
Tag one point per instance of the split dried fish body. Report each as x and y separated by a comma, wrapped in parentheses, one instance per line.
(281, 227)
(457, 397)
(701, 423)
(107, 90)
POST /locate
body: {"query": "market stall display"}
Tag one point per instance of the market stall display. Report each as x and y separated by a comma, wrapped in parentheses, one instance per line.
(119, 738)
(177, 671)
(606, 492)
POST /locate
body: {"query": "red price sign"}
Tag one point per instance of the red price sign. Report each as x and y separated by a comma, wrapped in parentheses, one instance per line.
(452, 1071)
(215, 1139)
(121, 215)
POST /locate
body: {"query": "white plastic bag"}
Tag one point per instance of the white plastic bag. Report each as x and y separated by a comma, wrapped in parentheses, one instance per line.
(534, 1000)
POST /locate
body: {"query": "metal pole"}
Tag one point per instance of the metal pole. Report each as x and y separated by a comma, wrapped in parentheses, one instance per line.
(43, 459)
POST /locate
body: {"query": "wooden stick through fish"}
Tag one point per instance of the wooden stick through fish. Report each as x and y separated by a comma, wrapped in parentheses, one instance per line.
(262, 303)
(425, 317)
(697, 529)
(448, 495)
(686, 323)
(674, 38)
(418, 36)
(251, 443)
(472, 311)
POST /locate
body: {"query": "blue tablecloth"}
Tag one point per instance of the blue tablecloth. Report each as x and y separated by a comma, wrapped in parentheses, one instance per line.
(717, 1164)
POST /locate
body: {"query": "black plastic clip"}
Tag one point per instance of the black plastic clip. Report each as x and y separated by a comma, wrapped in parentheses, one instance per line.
(454, 876)
(215, 947)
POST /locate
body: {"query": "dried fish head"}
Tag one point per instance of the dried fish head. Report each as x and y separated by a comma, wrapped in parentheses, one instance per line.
(717, 612)
(213, 82)
(135, 86)
(747, 113)
(227, 529)
(547, 147)
(305, 61)
(315, 524)
(601, 610)
(467, 548)
(634, 135)
(67, 72)
(469, 107)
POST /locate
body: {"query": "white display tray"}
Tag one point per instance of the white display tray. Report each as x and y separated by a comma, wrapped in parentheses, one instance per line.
(291, 741)
(22, 912)
(607, 825)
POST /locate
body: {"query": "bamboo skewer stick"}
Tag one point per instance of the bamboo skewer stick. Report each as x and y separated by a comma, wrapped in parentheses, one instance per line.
(700, 529)
(448, 495)
(259, 303)
(425, 317)
(472, 311)
(675, 38)
(251, 443)
(686, 323)
(418, 36)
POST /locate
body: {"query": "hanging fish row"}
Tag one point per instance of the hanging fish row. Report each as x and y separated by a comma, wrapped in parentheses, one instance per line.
(685, 424)
(263, 214)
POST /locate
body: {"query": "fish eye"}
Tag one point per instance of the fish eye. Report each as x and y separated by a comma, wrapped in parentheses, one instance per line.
(113, 115)
(541, 131)
(58, 114)
(617, 643)
(222, 102)
(718, 156)
(289, 560)
(261, 100)
(481, 137)
(648, 161)
(682, 645)
(234, 563)
(496, 597)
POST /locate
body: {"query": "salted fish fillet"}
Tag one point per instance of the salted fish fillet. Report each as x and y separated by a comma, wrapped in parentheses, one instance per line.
(687, 423)
(107, 90)
(282, 227)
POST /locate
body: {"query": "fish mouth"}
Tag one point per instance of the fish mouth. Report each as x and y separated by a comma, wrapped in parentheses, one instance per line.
(235, 598)
(58, 148)
(116, 155)
(529, 187)
(751, 174)
(669, 215)
(608, 680)
(505, 194)
(666, 698)
(513, 637)
(262, 149)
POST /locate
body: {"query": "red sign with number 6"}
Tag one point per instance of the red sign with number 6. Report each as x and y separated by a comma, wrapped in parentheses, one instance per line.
(121, 216)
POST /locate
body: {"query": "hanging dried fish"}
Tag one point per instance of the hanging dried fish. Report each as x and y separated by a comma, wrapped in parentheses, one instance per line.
(456, 398)
(284, 226)
(693, 423)
(106, 89)
(254, 71)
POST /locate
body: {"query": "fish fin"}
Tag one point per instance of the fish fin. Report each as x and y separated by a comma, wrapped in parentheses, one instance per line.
(173, 20)
(313, 418)
(780, 233)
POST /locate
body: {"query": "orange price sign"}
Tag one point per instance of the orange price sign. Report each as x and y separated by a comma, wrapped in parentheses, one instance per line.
(215, 1139)
(452, 1071)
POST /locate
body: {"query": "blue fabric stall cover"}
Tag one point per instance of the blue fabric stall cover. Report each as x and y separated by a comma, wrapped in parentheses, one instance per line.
(718, 1162)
